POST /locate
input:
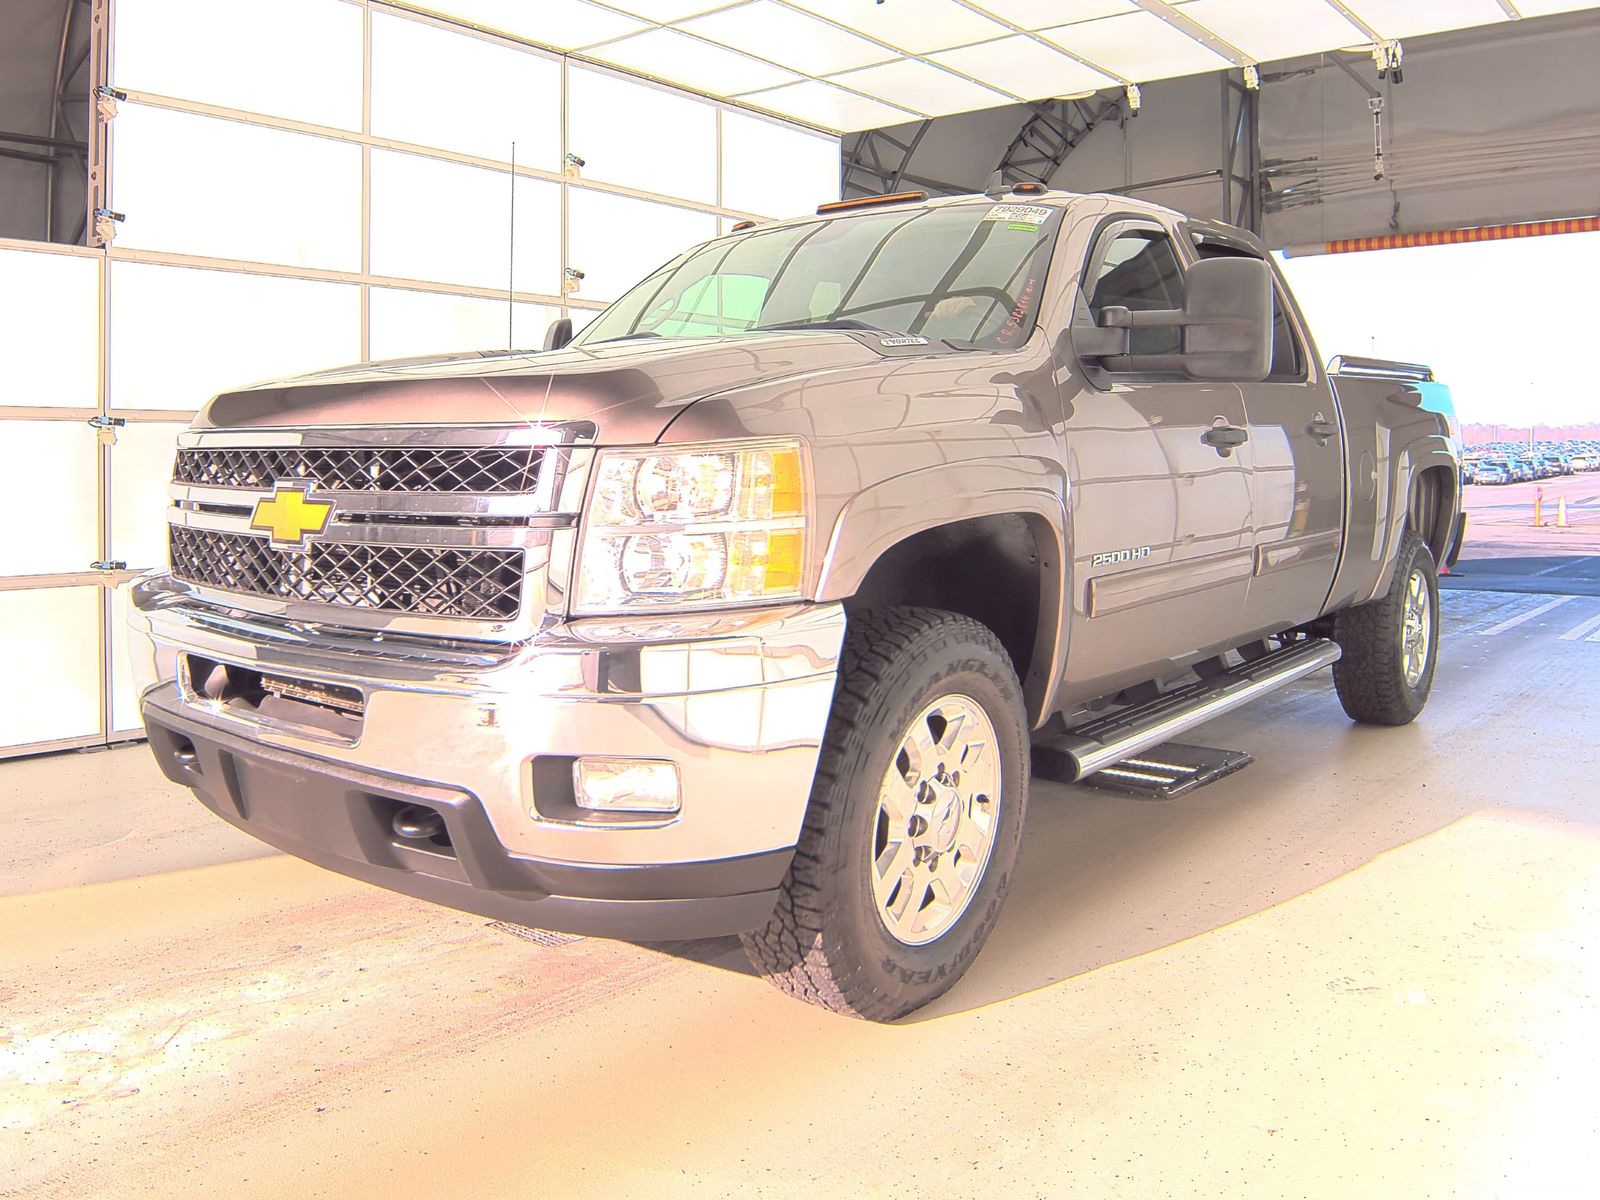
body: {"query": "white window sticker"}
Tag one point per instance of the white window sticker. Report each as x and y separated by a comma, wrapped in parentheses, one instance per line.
(1029, 216)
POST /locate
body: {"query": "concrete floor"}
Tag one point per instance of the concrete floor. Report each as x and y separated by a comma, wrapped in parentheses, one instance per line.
(1366, 966)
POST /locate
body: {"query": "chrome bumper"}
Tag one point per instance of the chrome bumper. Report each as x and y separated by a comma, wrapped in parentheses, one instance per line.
(738, 700)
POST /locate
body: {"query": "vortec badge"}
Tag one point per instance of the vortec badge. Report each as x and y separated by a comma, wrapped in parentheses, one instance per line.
(290, 515)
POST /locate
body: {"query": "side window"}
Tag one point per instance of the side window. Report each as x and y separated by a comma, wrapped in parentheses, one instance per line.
(1288, 360)
(1138, 270)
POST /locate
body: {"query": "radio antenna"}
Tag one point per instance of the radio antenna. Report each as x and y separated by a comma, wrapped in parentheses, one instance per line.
(511, 258)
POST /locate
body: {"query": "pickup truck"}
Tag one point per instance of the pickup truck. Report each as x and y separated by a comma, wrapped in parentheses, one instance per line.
(742, 611)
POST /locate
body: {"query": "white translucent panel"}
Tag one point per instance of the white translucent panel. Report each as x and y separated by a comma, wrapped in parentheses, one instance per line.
(439, 87)
(49, 329)
(405, 324)
(1036, 14)
(1270, 29)
(935, 24)
(1412, 18)
(617, 241)
(1139, 46)
(776, 170)
(50, 645)
(180, 335)
(642, 137)
(791, 39)
(828, 106)
(582, 316)
(224, 189)
(679, 58)
(124, 694)
(291, 58)
(141, 472)
(923, 88)
(452, 223)
(50, 488)
(1022, 65)
(1541, 8)
(564, 24)
(666, 11)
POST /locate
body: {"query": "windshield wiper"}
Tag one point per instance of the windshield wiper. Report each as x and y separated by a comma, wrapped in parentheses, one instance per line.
(855, 326)
(625, 337)
(826, 323)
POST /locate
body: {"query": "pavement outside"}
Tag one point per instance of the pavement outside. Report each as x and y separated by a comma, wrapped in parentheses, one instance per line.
(1505, 551)
(1365, 966)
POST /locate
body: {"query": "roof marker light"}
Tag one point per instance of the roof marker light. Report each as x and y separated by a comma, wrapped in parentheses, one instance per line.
(869, 201)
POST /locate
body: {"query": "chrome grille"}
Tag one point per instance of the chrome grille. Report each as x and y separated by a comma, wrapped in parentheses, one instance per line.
(442, 581)
(476, 469)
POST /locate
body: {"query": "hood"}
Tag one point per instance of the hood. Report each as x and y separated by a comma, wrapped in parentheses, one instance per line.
(628, 391)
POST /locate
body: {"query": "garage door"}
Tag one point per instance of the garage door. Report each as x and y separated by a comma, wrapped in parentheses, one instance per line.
(410, 187)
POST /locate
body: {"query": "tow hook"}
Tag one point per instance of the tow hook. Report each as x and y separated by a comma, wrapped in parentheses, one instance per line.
(417, 823)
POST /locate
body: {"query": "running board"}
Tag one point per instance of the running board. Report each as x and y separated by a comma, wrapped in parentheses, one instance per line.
(1108, 740)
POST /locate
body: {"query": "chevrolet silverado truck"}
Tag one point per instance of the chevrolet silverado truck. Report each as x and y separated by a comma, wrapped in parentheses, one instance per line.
(741, 612)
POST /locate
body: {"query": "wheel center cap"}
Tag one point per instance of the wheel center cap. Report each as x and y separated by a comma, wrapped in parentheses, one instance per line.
(945, 820)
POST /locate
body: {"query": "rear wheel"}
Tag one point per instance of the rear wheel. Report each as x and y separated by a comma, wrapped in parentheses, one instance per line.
(1391, 646)
(914, 822)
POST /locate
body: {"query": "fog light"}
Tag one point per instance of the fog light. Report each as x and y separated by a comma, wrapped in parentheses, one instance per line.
(626, 785)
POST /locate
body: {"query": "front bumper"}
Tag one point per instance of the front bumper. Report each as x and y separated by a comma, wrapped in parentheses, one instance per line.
(342, 818)
(485, 734)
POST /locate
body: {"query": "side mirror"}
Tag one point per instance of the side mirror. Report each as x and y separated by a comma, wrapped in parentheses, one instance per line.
(1226, 320)
(1227, 312)
(559, 334)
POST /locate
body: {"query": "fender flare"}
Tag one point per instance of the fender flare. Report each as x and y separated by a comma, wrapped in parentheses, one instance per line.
(885, 514)
(1422, 454)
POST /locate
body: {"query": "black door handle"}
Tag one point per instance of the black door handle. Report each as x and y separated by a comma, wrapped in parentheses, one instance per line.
(1225, 438)
(1322, 430)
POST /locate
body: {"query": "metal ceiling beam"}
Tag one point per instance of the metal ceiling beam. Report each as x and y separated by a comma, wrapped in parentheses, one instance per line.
(48, 160)
(875, 162)
(49, 143)
(1049, 134)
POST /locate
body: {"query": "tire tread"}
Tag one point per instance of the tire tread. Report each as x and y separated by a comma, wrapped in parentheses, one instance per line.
(791, 951)
(1369, 677)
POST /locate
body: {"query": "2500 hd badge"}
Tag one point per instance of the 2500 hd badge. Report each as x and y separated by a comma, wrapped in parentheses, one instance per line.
(1119, 556)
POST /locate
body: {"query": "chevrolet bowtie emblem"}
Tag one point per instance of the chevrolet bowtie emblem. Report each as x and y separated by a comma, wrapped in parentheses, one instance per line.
(290, 515)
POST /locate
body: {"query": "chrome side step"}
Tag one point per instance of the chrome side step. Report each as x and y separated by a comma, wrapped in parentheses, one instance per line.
(1169, 770)
(1108, 740)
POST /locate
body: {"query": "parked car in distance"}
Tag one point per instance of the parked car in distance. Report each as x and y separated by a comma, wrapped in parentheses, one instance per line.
(1491, 473)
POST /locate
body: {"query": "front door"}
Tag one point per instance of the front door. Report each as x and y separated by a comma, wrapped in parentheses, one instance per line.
(1298, 481)
(1160, 504)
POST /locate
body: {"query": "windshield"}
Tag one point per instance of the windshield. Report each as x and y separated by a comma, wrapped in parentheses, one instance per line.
(970, 274)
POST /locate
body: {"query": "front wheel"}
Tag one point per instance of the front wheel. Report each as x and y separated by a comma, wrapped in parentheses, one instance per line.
(914, 823)
(1391, 646)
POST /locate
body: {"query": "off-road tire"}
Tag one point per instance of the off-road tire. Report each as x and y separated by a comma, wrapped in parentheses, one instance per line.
(826, 943)
(1371, 677)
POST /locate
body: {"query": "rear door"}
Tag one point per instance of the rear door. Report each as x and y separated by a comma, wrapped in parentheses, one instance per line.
(1161, 516)
(1298, 480)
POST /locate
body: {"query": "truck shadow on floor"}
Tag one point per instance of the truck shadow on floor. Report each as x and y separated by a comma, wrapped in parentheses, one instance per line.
(1106, 877)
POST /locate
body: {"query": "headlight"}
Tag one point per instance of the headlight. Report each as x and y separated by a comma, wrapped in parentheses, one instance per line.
(693, 528)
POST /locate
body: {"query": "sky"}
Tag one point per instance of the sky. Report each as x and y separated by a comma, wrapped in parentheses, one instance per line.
(1511, 327)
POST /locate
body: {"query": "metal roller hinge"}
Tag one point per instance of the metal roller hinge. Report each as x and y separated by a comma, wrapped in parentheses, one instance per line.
(105, 428)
